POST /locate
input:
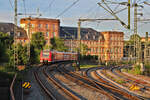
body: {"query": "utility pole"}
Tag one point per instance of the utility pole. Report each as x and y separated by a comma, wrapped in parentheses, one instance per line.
(135, 31)
(137, 43)
(129, 14)
(99, 49)
(146, 47)
(15, 36)
(79, 43)
(29, 37)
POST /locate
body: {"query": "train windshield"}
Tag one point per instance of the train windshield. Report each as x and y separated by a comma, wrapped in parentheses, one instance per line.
(45, 54)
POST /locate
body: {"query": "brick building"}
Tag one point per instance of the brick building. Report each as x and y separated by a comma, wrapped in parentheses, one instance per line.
(108, 45)
(143, 39)
(114, 44)
(49, 27)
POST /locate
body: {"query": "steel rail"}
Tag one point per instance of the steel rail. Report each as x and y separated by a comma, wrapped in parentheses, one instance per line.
(43, 87)
(129, 96)
(11, 88)
(62, 88)
(80, 82)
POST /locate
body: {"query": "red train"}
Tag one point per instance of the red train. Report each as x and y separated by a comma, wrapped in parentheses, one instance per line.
(48, 56)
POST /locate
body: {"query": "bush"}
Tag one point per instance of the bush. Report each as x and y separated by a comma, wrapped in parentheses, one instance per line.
(135, 70)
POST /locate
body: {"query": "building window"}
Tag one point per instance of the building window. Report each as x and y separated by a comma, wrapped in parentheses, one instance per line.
(19, 34)
(2, 28)
(47, 34)
(96, 50)
(53, 27)
(120, 50)
(110, 50)
(32, 25)
(110, 38)
(54, 34)
(40, 25)
(102, 50)
(46, 26)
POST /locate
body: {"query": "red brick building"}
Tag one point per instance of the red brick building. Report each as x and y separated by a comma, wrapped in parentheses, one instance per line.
(49, 27)
(114, 43)
(108, 45)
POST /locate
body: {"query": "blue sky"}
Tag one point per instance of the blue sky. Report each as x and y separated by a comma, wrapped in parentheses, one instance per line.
(82, 9)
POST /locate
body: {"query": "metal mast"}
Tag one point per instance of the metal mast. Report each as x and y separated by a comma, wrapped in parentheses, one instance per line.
(15, 36)
(129, 14)
(135, 30)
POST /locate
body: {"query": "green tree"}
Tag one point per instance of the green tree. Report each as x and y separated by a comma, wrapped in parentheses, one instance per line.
(22, 54)
(5, 44)
(38, 40)
(37, 44)
(58, 44)
(84, 49)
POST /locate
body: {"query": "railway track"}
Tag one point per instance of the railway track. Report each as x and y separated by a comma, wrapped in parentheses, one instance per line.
(106, 84)
(51, 87)
(49, 93)
(67, 92)
(117, 72)
(144, 86)
(83, 82)
(97, 84)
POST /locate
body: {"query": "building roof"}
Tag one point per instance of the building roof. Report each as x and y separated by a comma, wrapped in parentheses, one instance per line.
(39, 19)
(9, 29)
(114, 32)
(86, 33)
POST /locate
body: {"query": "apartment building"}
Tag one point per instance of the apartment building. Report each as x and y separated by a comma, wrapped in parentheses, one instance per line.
(114, 43)
(108, 45)
(8, 28)
(49, 27)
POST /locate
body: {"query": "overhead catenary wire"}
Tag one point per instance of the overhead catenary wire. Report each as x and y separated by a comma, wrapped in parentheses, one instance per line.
(49, 6)
(24, 7)
(11, 4)
(67, 9)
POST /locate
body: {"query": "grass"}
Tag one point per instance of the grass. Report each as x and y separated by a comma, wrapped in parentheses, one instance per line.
(135, 70)
(147, 66)
(118, 80)
(88, 66)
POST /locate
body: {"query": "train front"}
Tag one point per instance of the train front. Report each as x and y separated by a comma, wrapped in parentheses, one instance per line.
(45, 57)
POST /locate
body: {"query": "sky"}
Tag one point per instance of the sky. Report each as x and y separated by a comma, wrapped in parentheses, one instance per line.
(80, 9)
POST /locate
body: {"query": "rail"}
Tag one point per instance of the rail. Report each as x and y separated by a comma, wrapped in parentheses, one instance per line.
(62, 88)
(11, 88)
(44, 88)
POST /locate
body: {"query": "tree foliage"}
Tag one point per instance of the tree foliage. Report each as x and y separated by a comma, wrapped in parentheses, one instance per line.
(21, 52)
(37, 44)
(84, 49)
(5, 44)
(58, 44)
(38, 40)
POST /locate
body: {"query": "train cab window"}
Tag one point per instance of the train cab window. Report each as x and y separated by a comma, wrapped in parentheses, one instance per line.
(45, 54)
